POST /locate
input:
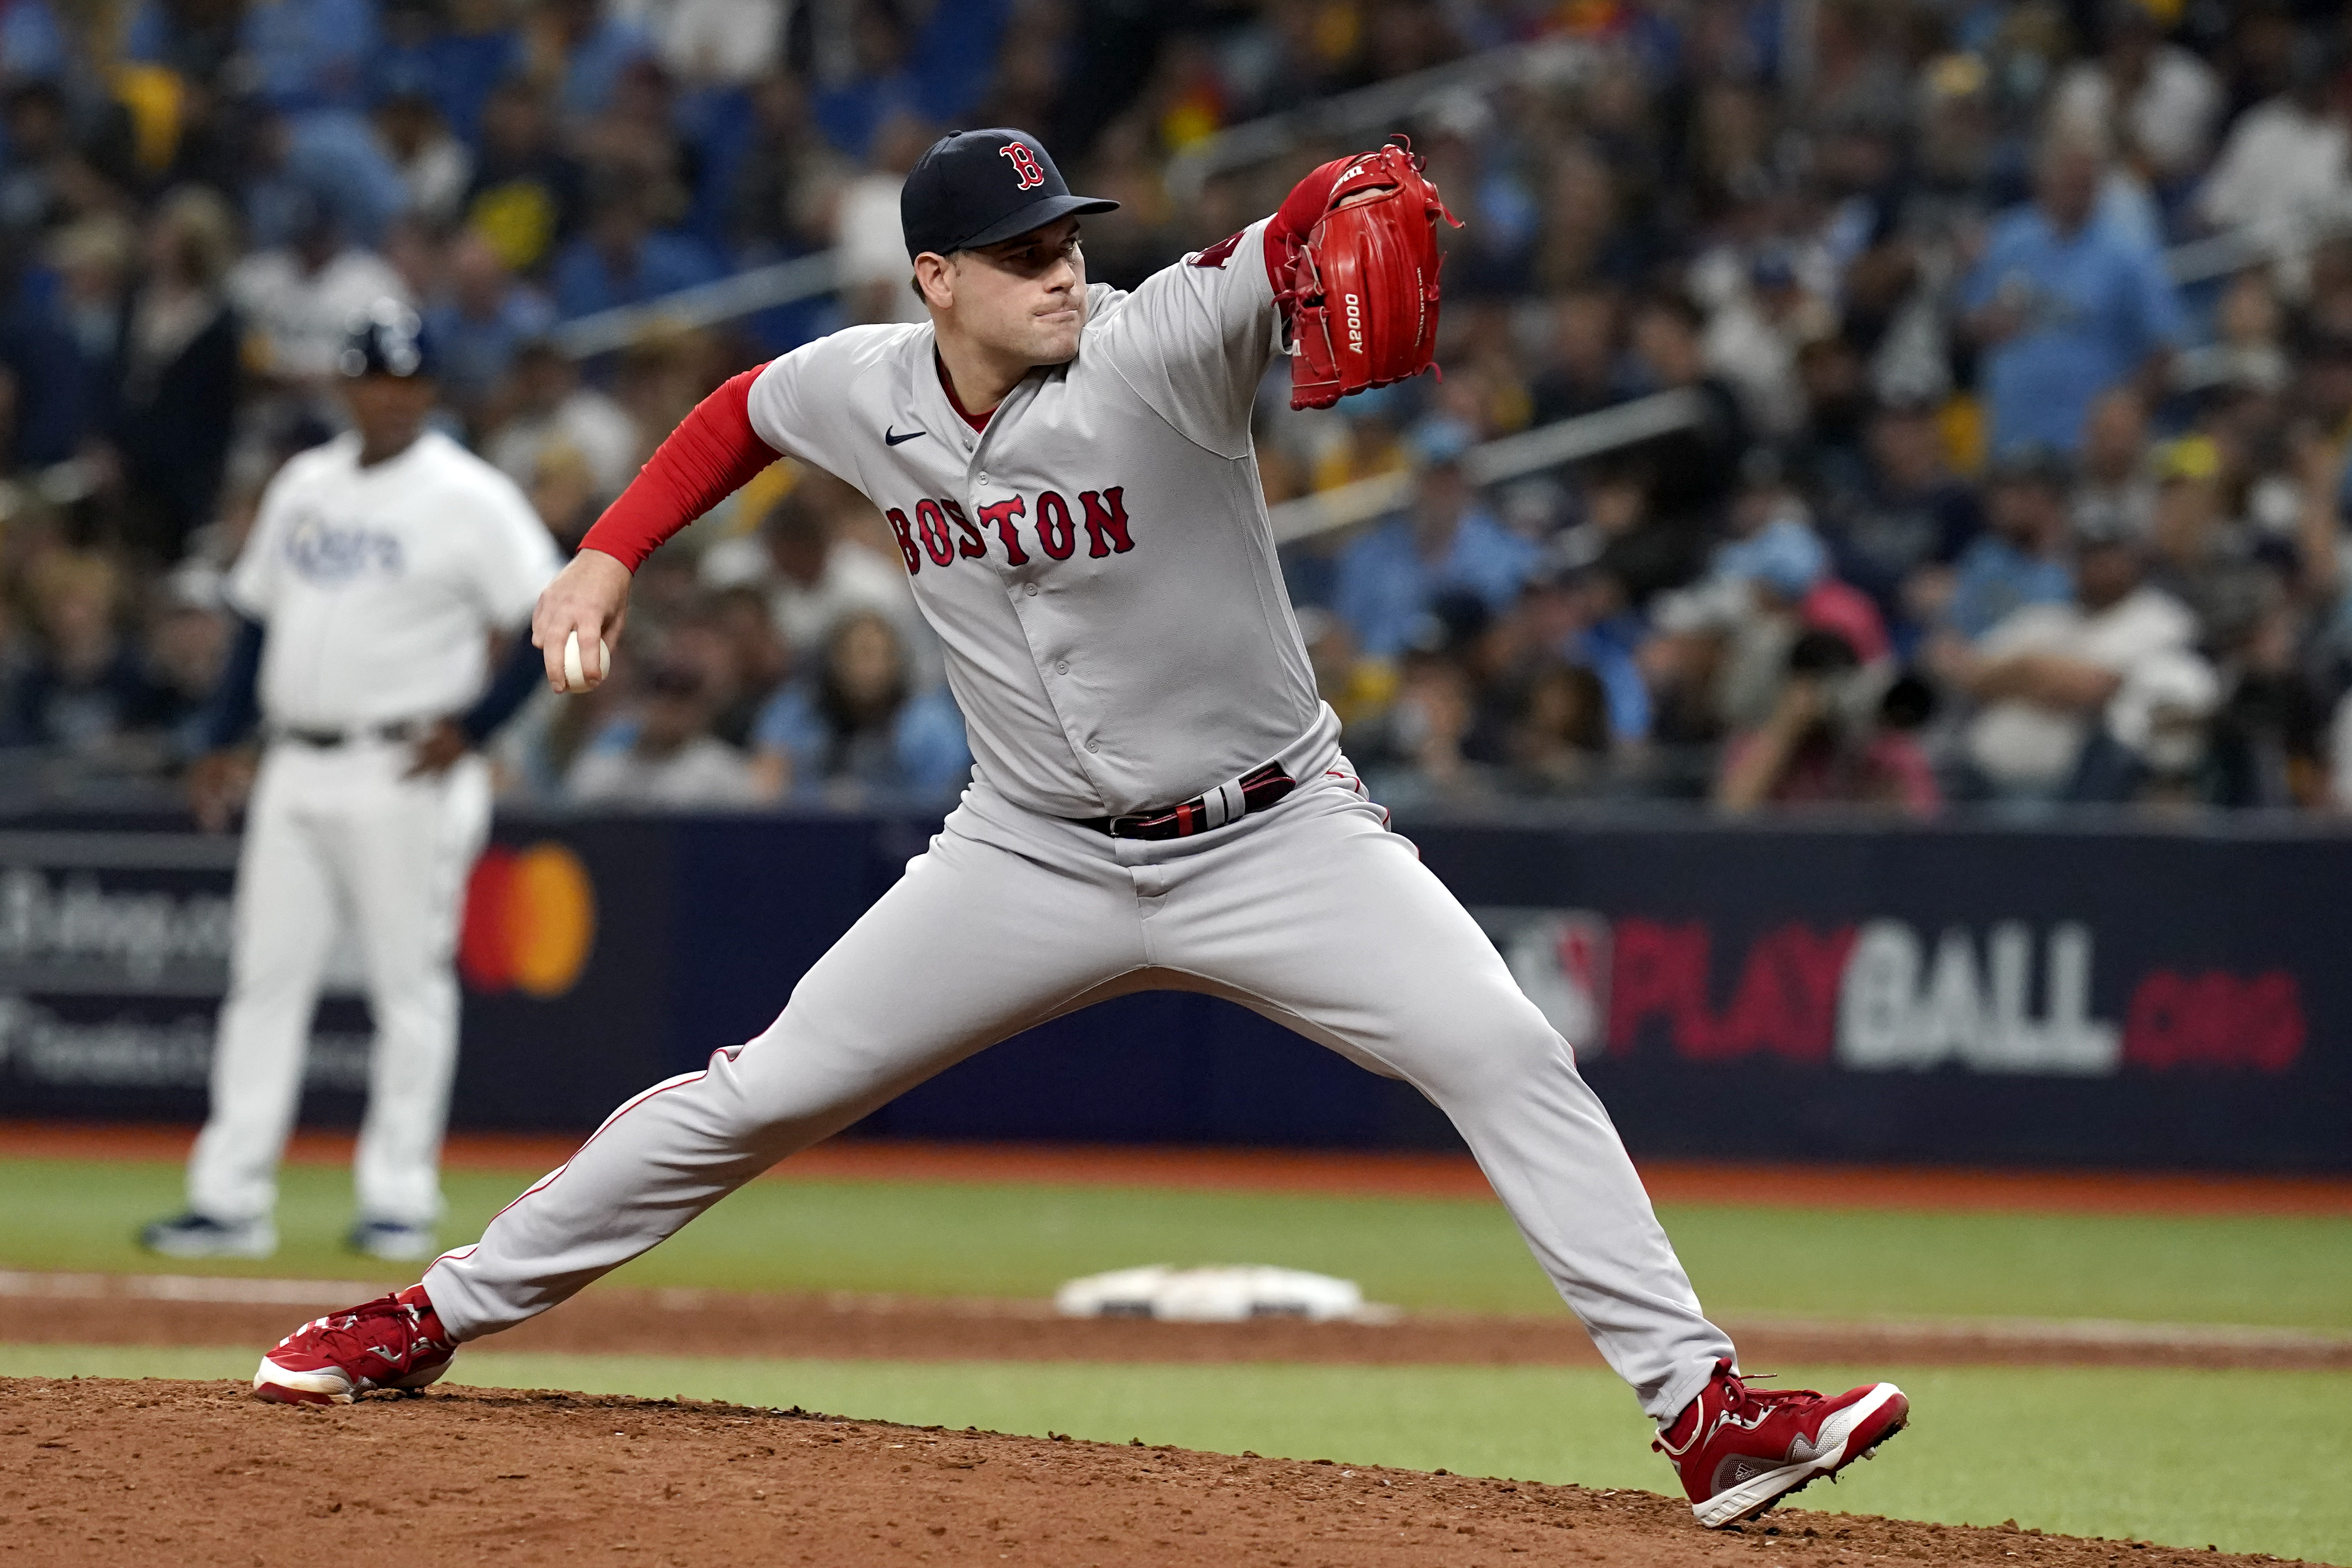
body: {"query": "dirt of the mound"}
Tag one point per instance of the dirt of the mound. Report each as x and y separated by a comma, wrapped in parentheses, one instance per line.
(611, 1319)
(200, 1476)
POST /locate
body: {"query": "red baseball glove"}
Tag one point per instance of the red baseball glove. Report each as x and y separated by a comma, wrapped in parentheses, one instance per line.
(1362, 291)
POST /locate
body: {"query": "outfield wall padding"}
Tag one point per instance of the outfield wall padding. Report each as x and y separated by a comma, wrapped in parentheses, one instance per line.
(2142, 996)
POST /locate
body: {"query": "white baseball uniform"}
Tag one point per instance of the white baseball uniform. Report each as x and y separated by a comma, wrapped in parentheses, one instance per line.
(379, 587)
(1100, 568)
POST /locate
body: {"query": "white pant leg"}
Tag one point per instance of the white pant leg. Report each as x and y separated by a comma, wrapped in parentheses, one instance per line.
(1318, 916)
(286, 914)
(990, 931)
(404, 847)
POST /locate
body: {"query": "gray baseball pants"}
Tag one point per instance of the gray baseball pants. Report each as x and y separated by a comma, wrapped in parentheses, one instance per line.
(1312, 913)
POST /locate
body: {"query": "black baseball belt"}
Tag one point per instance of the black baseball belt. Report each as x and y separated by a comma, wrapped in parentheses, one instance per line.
(1228, 802)
(324, 739)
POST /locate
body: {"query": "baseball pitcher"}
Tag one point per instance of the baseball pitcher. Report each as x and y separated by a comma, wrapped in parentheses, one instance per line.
(1159, 799)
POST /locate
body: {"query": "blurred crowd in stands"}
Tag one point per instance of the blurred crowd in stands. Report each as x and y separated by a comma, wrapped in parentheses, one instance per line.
(2016, 337)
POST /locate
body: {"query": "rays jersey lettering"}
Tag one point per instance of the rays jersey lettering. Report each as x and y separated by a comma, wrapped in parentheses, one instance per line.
(330, 554)
(1095, 560)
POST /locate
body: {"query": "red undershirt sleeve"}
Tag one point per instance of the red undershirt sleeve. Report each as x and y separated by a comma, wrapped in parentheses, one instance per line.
(713, 453)
(1296, 218)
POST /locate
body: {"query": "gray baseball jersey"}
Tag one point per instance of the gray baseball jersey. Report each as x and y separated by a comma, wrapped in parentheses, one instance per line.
(1096, 562)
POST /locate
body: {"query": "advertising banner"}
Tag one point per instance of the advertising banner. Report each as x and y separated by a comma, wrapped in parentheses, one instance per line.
(2140, 998)
(114, 957)
(2101, 997)
(114, 954)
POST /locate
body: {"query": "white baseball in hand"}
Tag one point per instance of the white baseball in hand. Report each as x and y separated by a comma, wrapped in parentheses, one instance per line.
(575, 679)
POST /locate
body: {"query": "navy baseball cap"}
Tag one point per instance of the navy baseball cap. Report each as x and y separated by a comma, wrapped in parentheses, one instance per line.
(977, 187)
(388, 338)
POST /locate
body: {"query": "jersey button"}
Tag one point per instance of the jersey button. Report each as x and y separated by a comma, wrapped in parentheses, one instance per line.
(1030, 590)
(1094, 746)
(1062, 666)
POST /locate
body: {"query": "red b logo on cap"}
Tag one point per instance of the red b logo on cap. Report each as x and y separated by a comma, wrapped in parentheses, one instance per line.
(1025, 162)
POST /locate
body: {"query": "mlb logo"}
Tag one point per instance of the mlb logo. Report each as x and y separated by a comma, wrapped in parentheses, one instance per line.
(1560, 960)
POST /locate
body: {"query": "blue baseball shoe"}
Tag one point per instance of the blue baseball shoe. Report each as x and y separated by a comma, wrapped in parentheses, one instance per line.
(193, 1235)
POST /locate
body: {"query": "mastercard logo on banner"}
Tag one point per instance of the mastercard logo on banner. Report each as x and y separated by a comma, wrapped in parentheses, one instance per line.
(531, 920)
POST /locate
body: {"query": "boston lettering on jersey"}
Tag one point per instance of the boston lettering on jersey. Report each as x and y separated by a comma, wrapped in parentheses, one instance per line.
(941, 530)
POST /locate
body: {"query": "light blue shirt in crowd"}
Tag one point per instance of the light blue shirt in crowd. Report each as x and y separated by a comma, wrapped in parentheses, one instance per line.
(593, 72)
(304, 54)
(2097, 304)
(927, 757)
(585, 282)
(476, 352)
(1994, 577)
(1607, 650)
(33, 43)
(1384, 585)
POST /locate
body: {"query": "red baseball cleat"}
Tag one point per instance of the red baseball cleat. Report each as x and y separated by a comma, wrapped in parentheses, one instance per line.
(1740, 1450)
(393, 1341)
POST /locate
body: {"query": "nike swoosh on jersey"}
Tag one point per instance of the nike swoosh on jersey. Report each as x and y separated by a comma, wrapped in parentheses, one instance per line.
(890, 437)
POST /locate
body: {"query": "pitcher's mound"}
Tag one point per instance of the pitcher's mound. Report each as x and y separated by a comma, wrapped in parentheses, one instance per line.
(198, 1474)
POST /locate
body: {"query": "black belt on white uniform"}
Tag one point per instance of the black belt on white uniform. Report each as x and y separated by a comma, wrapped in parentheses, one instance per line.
(329, 739)
(1228, 802)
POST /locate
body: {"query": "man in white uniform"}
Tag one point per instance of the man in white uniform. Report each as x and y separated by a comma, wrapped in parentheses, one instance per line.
(379, 569)
(1159, 801)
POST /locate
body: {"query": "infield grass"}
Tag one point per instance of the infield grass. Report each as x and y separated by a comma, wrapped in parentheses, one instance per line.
(975, 1240)
(2250, 1461)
